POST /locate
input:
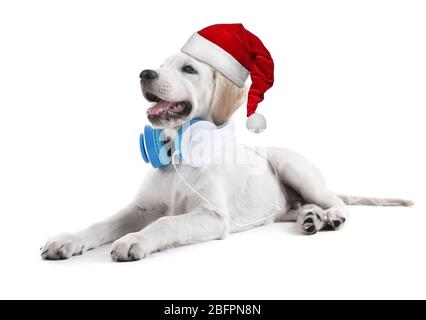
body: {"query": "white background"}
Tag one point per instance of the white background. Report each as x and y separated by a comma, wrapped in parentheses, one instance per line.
(349, 94)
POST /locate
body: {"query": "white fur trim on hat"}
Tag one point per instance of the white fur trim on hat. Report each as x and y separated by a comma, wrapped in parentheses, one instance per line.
(256, 123)
(206, 51)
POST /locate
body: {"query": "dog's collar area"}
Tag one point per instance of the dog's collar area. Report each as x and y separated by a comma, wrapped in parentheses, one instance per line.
(158, 145)
(198, 143)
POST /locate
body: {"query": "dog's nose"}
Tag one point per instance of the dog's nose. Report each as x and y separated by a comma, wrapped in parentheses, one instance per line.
(148, 75)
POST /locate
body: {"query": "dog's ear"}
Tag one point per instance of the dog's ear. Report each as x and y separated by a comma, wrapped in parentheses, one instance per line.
(227, 97)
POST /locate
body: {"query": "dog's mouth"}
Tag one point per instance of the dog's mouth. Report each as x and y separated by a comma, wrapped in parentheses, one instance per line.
(166, 110)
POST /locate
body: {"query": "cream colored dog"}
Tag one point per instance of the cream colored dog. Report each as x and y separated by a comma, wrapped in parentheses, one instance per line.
(166, 213)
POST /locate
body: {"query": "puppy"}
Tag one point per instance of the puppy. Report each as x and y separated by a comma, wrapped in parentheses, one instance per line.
(182, 89)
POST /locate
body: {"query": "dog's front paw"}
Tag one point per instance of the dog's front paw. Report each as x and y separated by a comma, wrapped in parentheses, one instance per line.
(310, 220)
(129, 248)
(62, 246)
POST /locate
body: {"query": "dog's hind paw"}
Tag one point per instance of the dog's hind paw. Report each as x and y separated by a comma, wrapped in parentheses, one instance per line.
(311, 219)
(335, 219)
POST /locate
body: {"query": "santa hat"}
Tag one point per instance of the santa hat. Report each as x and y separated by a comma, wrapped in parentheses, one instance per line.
(236, 53)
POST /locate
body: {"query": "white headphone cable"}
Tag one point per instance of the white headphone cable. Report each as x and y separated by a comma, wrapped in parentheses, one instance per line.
(220, 211)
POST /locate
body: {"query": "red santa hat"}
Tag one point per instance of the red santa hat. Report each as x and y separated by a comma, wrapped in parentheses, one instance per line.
(236, 53)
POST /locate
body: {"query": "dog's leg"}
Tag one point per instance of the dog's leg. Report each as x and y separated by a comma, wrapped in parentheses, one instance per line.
(130, 219)
(336, 211)
(297, 172)
(196, 226)
(311, 218)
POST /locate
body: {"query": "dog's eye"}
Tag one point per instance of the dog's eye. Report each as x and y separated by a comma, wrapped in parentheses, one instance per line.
(189, 69)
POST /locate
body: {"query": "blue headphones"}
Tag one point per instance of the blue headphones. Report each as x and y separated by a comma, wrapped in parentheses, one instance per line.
(197, 142)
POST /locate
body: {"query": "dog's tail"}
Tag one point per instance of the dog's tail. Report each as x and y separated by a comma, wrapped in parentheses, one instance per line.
(382, 202)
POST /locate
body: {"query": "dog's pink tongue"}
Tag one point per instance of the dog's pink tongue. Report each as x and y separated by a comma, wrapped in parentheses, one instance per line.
(159, 108)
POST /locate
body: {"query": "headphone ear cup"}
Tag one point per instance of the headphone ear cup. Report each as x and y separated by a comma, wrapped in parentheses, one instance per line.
(155, 147)
(195, 143)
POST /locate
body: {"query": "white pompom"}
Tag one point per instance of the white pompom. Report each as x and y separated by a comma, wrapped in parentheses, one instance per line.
(256, 123)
